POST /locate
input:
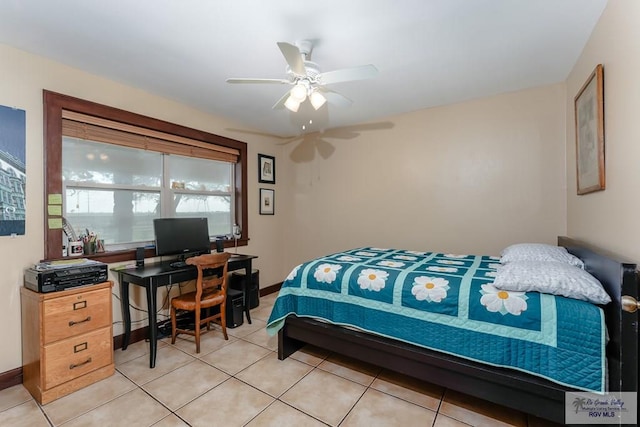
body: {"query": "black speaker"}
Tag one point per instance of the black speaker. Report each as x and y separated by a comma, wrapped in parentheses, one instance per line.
(253, 287)
(139, 257)
(219, 245)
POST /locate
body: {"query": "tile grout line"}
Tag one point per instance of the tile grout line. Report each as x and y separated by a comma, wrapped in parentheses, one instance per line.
(270, 353)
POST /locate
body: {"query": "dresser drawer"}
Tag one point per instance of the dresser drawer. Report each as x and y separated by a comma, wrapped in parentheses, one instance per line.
(73, 357)
(75, 314)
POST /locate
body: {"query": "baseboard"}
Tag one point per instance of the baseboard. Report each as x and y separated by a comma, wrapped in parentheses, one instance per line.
(11, 378)
(136, 335)
(270, 289)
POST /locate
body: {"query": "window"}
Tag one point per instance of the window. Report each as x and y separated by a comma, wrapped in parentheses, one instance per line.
(113, 191)
(116, 171)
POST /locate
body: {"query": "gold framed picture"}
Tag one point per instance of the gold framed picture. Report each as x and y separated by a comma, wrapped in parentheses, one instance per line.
(589, 121)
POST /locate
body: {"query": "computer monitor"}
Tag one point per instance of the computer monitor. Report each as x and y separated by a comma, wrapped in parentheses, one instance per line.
(181, 236)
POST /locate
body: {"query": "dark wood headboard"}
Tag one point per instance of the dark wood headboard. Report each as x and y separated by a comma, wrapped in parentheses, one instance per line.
(618, 278)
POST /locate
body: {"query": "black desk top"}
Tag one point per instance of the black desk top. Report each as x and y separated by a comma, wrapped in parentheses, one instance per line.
(236, 261)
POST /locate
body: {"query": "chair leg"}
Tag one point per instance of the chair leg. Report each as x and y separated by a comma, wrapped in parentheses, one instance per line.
(223, 319)
(197, 329)
(173, 325)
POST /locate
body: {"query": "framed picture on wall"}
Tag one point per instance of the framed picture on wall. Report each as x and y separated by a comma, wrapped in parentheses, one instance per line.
(266, 169)
(589, 117)
(267, 201)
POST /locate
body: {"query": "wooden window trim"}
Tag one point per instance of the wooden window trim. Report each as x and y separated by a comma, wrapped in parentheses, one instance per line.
(55, 104)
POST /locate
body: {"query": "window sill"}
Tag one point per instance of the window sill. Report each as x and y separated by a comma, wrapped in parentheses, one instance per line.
(110, 257)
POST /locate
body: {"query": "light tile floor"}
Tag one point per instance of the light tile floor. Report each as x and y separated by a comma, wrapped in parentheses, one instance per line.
(241, 382)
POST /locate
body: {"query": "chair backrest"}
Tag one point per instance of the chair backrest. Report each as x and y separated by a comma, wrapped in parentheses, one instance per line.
(216, 262)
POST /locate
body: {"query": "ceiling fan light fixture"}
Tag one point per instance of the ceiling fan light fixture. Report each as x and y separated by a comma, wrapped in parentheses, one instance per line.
(299, 92)
(317, 99)
(292, 104)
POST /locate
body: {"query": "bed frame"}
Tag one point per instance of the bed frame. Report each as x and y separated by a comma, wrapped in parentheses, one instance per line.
(506, 387)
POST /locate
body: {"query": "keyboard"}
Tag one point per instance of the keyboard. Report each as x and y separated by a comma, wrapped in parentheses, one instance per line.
(178, 264)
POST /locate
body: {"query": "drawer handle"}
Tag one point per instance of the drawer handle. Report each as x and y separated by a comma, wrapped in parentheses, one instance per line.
(79, 305)
(71, 322)
(80, 347)
(77, 365)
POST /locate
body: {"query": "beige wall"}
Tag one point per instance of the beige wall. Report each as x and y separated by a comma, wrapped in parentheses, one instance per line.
(24, 76)
(609, 218)
(471, 177)
(467, 178)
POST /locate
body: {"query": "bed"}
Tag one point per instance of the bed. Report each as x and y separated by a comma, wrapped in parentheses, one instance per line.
(521, 387)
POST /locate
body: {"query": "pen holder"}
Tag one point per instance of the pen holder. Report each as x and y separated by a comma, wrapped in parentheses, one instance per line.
(90, 248)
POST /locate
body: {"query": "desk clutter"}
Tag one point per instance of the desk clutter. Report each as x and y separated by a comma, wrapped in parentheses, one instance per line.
(84, 244)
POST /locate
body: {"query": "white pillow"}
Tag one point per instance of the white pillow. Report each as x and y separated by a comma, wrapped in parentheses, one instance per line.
(539, 252)
(550, 278)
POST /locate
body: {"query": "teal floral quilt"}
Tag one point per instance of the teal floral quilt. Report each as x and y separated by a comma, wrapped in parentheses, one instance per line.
(447, 302)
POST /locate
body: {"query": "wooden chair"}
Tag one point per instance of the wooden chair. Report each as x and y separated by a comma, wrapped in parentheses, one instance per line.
(211, 290)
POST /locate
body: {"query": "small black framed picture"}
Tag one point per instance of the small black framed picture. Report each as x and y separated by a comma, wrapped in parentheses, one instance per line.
(266, 169)
(267, 201)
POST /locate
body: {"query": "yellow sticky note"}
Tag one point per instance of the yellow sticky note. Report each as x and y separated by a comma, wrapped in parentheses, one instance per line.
(55, 223)
(54, 210)
(55, 199)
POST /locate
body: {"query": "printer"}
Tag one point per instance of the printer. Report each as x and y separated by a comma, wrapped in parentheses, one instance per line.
(60, 275)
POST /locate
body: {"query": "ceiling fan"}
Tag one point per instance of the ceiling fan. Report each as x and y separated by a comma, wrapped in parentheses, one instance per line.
(307, 80)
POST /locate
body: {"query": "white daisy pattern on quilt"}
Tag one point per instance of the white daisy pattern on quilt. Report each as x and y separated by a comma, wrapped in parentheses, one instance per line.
(349, 258)
(294, 272)
(365, 253)
(392, 264)
(455, 256)
(450, 262)
(431, 289)
(503, 302)
(372, 279)
(442, 269)
(326, 272)
(405, 257)
(416, 252)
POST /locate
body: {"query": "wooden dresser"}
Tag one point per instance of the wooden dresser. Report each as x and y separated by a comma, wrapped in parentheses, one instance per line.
(67, 340)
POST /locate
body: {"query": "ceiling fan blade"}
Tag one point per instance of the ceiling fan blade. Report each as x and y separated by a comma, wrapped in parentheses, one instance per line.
(280, 104)
(348, 74)
(293, 57)
(260, 81)
(291, 139)
(335, 98)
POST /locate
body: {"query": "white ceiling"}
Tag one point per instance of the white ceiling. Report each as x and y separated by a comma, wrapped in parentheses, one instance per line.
(428, 52)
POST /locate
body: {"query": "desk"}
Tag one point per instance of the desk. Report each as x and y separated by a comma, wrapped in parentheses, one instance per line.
(152, 276)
